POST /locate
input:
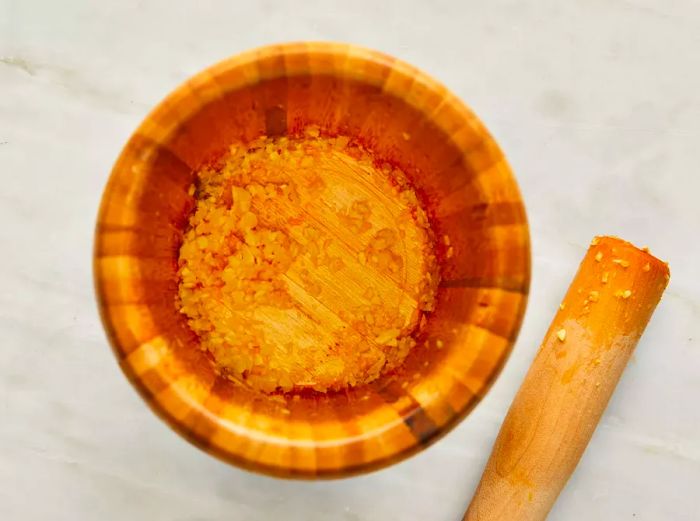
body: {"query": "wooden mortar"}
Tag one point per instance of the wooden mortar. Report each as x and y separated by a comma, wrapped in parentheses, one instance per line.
(408, 121)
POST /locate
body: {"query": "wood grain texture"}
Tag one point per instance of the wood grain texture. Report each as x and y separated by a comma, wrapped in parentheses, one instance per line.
(570, 382)
(406, 119)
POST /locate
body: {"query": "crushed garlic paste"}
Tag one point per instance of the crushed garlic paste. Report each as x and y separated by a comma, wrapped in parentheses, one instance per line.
(305, 264)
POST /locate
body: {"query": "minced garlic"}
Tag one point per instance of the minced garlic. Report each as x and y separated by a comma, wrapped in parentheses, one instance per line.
(305, 265)
(625, 294)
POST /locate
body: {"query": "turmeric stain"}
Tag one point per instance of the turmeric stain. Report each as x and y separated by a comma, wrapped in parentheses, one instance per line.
(305, 265)
(569, 373)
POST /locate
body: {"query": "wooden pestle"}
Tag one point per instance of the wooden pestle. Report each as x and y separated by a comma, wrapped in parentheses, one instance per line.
(569, 384)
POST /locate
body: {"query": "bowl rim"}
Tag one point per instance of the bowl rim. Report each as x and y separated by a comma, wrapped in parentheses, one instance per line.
(359, 63)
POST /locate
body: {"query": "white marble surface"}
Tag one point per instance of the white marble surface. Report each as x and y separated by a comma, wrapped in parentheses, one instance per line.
(597, 106)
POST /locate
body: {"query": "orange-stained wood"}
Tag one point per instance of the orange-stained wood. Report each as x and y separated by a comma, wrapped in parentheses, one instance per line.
(570, 382)
(407, 120)
(346, 276)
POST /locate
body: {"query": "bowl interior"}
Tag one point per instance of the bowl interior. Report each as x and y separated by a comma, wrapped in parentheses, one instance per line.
(405, 119)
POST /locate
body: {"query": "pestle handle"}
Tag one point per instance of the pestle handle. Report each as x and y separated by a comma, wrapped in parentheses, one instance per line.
(570, 381)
